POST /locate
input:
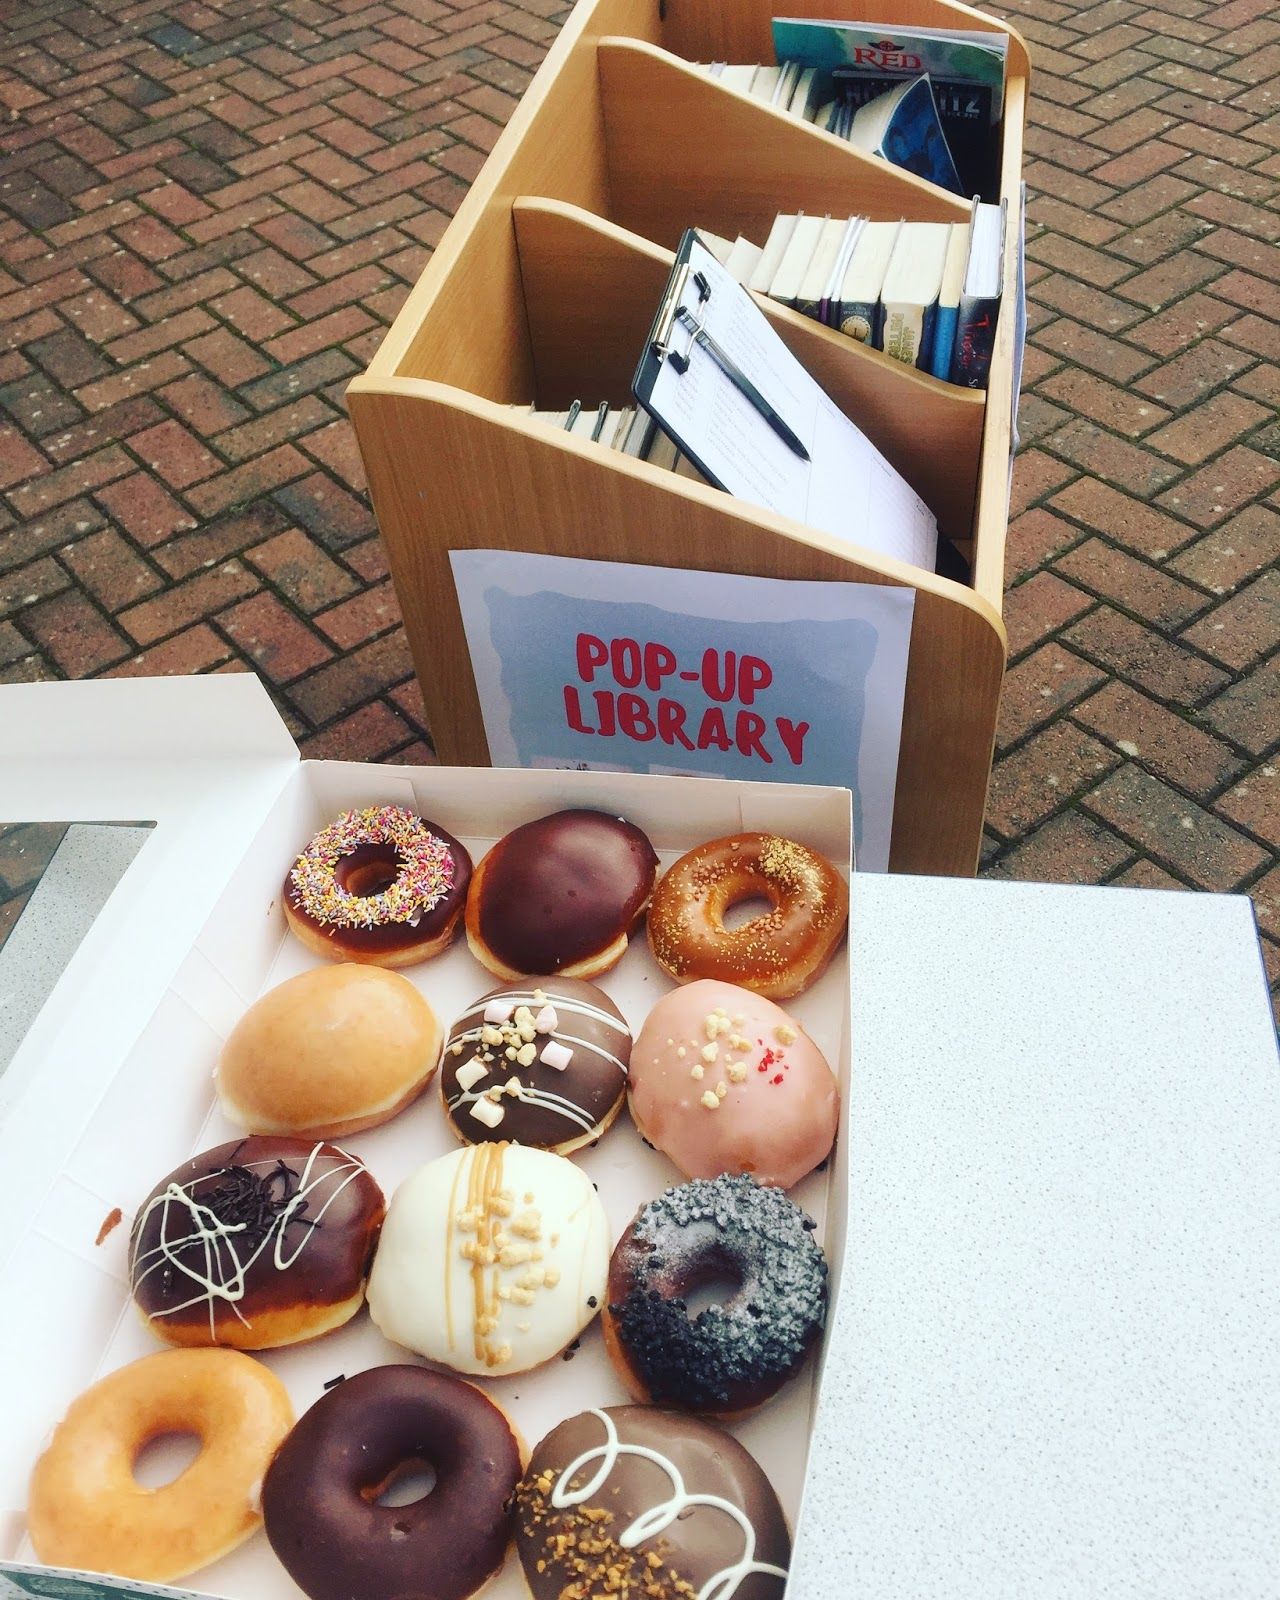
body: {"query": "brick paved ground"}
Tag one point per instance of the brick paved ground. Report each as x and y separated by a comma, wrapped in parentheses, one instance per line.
(213, 210)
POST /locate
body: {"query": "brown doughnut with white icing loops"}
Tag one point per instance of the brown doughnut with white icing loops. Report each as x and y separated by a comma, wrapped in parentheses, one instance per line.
(637, 1502)
(320, 1495)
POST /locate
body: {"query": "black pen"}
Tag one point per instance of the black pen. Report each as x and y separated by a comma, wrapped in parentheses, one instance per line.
(741, 382)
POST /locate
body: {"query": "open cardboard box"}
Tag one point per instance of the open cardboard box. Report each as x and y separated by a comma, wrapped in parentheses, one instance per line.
(112, 1087)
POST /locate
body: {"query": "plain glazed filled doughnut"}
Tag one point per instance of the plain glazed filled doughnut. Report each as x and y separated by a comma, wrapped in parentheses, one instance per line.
(378, 885)
(87, 1509)
(321, 1492)
(542, 1062)
(329, 1052)
(737, 1353)
(562, 894)
(258, 1243)
(647, 1504)
(777, 954)
(723, 1080)
(492, 1259)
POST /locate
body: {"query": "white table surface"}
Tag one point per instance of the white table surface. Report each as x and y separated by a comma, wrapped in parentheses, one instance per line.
(1055, 1367)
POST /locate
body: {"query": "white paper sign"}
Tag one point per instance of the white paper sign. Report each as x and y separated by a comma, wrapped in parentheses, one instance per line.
(605, 666)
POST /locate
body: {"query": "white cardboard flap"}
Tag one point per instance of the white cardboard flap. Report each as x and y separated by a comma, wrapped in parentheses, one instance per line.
(202, 758)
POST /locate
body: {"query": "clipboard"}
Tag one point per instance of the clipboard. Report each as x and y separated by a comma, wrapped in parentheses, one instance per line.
(722, 384)
(678, 329)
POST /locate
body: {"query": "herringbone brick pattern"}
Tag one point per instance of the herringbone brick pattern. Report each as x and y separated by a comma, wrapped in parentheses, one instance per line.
(212, 210)
(1140, 729)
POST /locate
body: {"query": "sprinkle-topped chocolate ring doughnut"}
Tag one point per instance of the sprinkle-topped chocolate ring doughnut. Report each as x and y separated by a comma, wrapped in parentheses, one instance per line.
(378, 885)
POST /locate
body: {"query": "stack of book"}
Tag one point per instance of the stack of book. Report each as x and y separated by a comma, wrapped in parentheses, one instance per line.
(927, 293)
(930, 100)
(624, 428)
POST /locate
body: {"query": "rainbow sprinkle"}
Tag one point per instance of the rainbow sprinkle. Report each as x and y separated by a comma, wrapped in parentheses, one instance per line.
(426, 870)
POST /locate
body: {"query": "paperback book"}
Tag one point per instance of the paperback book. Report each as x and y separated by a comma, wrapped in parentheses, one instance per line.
(859, 61)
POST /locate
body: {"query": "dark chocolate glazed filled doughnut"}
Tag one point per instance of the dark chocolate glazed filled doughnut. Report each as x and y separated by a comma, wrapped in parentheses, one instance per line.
(540, 1062)
(378, 885)
(320, 1494)
(642, 1503)
(254, 1244)
(734, 1355)
(561, 894)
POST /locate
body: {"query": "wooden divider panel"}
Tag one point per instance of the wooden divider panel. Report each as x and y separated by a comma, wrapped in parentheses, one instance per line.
(683, 149)
(592, 291)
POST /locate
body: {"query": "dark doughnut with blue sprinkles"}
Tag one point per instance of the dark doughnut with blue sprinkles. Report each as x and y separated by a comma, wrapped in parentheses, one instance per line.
(734, 1355)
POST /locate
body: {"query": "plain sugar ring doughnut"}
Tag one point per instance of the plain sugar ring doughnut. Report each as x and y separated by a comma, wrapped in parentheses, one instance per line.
(321, 1494)
(87, 1509)
(778, 954)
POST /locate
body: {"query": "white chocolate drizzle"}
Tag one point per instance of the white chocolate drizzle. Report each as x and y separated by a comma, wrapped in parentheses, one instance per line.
(221, 1279)
(551, 1010)
(722, 1585)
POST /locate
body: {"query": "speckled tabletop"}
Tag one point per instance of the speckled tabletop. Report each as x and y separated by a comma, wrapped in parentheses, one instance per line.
(1054, 1371)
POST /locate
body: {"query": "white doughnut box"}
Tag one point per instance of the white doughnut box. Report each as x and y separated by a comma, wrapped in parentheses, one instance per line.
(113, 1089)
(1052, 1367)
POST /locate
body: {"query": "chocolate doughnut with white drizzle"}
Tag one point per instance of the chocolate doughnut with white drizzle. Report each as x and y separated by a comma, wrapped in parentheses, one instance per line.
(258, 1243)
(648, 1505)
(541, 1062)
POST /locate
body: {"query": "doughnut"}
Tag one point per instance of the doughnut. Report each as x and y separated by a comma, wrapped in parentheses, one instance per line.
(562, 894)
(87, 1510)
(722, 1080)
(779, 953)
(378, 885)
(258, 1243)
(735, 1354)
(329, 1052)
(542, 1062)
(320, 1497)
(635, 1501)
(492, 1259)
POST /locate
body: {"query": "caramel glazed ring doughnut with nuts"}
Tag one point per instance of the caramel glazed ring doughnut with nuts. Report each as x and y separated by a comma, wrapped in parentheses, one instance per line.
(778, 954)
(87, 1509)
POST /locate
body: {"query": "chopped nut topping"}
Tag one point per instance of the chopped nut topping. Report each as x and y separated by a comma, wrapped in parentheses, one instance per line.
(710, 1052)
(737, 1071)
(711, 1100)
(722, 1089)
(696, 1072)
(784, 1033)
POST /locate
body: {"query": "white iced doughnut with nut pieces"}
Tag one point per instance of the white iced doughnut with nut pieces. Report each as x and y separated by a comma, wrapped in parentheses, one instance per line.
(492, 1259)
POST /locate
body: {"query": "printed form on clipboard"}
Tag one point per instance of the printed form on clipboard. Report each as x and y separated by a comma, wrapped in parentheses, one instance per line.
(720, 381)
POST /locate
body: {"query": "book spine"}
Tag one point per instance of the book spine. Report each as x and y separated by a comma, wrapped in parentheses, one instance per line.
(902, 335)
(974, 341)
(860, 320)
(944, 339)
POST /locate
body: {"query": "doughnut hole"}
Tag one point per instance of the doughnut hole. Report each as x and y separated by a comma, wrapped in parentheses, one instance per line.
(368, 870)
(748, 908)
(164, 1457)
(412, 1480)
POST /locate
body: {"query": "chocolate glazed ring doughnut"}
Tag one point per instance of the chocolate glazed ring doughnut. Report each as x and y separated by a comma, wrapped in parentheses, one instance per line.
(380, 886)
(732, 1356)
(320, 1494)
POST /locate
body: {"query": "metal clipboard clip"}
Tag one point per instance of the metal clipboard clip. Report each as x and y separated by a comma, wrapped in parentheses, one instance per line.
(673, 312)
